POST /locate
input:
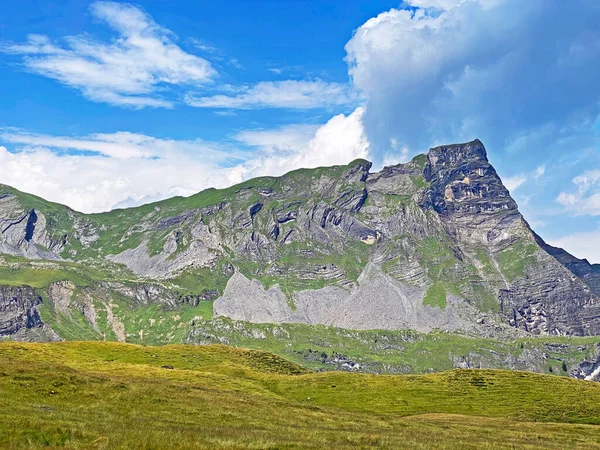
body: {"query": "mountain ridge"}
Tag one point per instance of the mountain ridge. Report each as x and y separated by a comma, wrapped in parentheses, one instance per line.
(436, 243)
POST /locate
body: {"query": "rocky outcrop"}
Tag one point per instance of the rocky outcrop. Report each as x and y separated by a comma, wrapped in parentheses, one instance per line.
(18, 310)
(544, 298)
(24, 232)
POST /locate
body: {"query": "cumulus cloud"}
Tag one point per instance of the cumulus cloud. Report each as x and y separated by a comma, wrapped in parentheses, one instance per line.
(299, 94)
(339, 141)
(109, 169)
(129, 71)
(103, 171)
(493, 69)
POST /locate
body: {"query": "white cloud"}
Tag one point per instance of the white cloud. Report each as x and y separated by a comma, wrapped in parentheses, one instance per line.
(120, 145)
(394, 155)
(204, 45)
(300, 94)
(586, 200)
(127, 169)
(587, 181)
(512, 183)
(290, 138)
(539, 171)
(582, 245)
(128, 71)
(436, 4)
(339, 141)
(477, 68)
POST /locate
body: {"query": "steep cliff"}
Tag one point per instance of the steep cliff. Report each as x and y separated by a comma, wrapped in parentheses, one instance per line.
(19, 316)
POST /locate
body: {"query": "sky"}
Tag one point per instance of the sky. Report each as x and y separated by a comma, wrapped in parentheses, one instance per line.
(113, 104)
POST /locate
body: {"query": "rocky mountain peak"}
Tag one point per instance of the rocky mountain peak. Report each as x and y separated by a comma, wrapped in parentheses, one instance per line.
(462, 182)
(455, 154)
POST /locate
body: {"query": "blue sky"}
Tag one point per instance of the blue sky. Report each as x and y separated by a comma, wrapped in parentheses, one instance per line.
(111, 104)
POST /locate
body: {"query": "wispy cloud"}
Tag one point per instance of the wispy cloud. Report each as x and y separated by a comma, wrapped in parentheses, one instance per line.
(586, 199)
(289, 138)
(298, 94)
(142, 65)
(122, 145)
(512, 183)
(540, 171)
(131, 70)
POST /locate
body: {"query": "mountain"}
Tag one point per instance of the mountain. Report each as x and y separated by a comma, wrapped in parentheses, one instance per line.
(434, 244)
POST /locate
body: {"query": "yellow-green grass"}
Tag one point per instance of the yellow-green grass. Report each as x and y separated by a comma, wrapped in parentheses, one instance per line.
(108, 395)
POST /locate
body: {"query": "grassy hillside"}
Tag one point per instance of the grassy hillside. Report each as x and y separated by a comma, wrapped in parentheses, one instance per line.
(106, 395)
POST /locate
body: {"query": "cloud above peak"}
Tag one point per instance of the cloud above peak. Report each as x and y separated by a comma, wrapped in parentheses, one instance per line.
(498, 69)
(130, 70)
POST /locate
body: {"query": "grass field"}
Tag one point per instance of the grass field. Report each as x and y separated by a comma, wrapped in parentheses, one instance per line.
(106, 395)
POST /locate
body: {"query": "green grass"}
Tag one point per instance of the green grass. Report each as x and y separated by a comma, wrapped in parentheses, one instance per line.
(435, 296)
(420, 160)
(304, 257)
(197, 280)
(107, 396)
(419, 181)
(41, 275)
(154, 325)
(516, 259)
(386, 351)
(397, 201)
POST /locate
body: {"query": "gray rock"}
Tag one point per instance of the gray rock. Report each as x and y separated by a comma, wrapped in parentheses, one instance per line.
(18, 310)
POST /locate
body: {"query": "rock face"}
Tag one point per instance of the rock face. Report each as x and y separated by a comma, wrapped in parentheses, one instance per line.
(581, 268)
(436, 243)
(378, 302)
(23, 232)
(18, 310)
(478, 212)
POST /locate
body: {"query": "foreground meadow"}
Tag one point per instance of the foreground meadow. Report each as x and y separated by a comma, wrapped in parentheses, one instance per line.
(107, 395)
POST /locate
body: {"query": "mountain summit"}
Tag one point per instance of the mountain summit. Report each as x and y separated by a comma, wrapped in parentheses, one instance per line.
(434, 244)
